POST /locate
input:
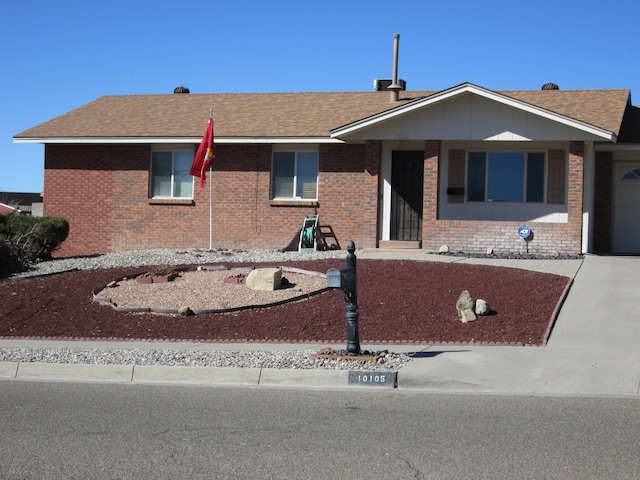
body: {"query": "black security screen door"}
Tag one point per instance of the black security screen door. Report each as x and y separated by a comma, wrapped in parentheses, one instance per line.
(407, 176)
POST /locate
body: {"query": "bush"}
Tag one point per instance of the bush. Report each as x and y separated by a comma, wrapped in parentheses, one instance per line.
(8, 262)
(25, 239)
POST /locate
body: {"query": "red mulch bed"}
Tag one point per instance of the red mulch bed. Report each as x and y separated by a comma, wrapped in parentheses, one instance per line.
(399, 302)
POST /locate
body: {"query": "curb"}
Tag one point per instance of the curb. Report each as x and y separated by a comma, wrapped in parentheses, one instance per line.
(556, 312)
(75, 373)
(179, 375)
(274, 377)
(163, 374)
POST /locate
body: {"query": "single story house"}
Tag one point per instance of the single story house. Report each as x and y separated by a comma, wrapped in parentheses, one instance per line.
(465, 168)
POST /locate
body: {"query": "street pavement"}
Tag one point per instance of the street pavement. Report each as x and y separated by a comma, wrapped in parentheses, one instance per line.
(592, 349)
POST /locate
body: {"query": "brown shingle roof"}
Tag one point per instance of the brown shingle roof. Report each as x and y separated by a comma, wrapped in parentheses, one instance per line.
(236, 115)
(284, 114)
(600, 108)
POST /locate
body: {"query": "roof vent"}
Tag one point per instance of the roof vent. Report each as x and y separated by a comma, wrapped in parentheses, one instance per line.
(550, 86)
(181, 90)
(383, 84)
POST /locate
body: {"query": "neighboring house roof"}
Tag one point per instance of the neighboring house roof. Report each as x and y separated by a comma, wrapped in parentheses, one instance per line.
(20, 200)
(6, 208)
(246, 116)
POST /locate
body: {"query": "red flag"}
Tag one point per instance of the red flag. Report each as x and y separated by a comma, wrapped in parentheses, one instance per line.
(204, 156)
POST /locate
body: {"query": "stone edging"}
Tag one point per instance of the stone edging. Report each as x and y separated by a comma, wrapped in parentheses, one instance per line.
(107, 301)
(556, 312)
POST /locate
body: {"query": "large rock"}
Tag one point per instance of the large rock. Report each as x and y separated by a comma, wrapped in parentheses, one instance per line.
(482, 307)
(265, 279)
(464, 306)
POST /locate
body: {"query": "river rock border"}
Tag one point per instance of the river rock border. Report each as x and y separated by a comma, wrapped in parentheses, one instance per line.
(105, 300)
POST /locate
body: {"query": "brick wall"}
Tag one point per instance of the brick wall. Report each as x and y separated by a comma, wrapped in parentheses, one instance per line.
(244, 216)
(103, 191)
(502, 237)
(349, 183)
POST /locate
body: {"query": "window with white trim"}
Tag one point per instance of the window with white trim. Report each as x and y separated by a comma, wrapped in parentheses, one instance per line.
(514, 177)
(295, 175)
(170, 176)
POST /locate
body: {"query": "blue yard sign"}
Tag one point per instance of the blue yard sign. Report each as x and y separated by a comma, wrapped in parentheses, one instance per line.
(524, 231)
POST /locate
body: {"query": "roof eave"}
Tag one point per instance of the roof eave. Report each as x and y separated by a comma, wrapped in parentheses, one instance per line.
(172, 140)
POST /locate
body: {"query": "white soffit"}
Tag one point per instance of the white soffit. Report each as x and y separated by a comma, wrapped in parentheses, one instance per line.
(473, 89)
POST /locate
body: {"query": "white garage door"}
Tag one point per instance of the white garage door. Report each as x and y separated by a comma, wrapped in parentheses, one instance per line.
(626, 219)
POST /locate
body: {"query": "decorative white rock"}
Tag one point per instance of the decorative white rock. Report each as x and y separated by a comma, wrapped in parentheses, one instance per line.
(444, 249)
(482, 307)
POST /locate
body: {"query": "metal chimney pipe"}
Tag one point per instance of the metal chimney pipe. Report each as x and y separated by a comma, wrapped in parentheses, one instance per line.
(394, 87)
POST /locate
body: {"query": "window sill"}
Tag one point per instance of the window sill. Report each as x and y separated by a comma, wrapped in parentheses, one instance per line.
(295, 203)
(171, 201)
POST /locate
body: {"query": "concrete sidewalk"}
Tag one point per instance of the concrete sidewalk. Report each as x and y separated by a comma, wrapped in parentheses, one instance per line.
(592, 350)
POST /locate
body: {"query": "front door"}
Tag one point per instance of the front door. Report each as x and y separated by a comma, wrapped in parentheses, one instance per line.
(407, 178)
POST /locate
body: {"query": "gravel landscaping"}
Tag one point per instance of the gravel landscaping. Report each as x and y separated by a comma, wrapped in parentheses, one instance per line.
(400, 302)
(294, 359)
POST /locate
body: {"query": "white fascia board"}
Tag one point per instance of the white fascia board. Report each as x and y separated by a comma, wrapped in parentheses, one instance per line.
(469, 88)
(177, 140)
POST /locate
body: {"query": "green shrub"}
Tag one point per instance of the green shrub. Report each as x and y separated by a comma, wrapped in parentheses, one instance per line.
(25, 239)
(8, 262)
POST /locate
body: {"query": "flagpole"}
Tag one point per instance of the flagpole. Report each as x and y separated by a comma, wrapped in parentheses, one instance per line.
(210, 197)
(206, 154)
(210, 211)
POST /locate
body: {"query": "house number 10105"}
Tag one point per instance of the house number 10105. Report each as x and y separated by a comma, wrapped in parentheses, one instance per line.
(376, 379)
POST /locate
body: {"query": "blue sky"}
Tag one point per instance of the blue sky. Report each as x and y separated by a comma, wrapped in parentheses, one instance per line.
(58, 55)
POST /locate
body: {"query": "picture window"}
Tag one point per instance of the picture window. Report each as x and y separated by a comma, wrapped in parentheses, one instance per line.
(512, 177)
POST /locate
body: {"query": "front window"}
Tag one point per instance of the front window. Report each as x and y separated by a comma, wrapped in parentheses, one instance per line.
(506, 177)
(170, 174)
(295, 175)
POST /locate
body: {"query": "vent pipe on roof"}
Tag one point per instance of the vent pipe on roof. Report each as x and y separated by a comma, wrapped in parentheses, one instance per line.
(380, 84)
(550, 86)
(181, 90)
(394, 87)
